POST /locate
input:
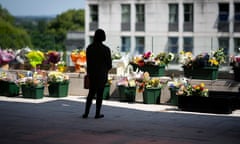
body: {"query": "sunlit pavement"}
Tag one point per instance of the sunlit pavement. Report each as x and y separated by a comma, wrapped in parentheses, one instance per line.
(58, 121)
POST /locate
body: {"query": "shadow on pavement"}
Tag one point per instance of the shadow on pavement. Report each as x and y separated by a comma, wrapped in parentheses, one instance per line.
(60, 122)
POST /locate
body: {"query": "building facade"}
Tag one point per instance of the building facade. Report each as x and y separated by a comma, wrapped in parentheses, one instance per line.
(137, 26)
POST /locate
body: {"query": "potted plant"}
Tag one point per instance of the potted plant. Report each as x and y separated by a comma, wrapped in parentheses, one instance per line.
(106, 91)
(8, 86)
(173, 86)
(235, 63)
(203, 66)
(58, 84)
(154, 65)
(151, 89)
(196, 98)
(33, 86)
(127, 89)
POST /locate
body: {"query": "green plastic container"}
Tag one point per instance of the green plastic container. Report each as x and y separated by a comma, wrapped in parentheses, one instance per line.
(13, 89)
(58, 89)
(153, 70)
(205, 73)
(174, 98)
(9, 89)
(127, 94)
(32, 92)
(106, 92)
(151, 95)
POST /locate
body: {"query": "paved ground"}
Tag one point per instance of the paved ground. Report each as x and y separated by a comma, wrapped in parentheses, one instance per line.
(58, 121)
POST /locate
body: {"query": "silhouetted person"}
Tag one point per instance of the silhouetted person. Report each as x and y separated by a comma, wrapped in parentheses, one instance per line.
(99, 63)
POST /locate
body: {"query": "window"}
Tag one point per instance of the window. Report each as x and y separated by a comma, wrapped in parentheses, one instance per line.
(173, 13)
(223, 12)
(237, 45)
(188, 17)
(126, 43)
(139, 45)
(173, 17)
(93, 17)
(140, 17)
(126, 15)
(90, 39)
(173, 44)
(188, 12)
(236, 17)
(188, 44)
(237, 11)
(223, 42)
(223, 24)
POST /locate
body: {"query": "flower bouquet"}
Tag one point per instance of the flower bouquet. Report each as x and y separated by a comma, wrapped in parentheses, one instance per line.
(79, 59)
(58, 84)
(155, 65)
(174, 86)
(53, 57)
(151, 88)
(21, 58)
(6, 56)
(33, 86)
(61, 66)
(203, 66)
(235, 63)
(127, 89)
(35, 57)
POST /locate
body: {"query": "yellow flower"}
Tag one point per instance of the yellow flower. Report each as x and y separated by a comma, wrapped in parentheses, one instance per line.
(202, 85)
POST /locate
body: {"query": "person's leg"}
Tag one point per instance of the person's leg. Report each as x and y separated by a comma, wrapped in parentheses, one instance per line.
(99, 103)
(90, 96)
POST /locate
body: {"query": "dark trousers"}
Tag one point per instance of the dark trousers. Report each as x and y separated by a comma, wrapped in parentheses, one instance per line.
(99, 97)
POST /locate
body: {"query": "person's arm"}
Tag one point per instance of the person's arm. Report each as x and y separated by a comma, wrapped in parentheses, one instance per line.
(109, 59)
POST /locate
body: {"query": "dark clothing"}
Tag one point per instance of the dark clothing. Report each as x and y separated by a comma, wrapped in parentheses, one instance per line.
(99, 63)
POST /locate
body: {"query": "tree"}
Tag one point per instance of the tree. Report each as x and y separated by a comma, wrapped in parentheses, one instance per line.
(10, 35)
(72, 20)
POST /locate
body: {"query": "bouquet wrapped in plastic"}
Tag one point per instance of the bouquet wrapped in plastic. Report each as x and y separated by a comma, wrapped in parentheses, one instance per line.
(35, 57)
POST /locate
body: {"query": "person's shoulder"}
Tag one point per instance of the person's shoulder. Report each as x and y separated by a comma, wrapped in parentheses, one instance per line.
(106, 47)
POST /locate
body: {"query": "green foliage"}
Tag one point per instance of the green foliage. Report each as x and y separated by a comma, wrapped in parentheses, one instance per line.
(72, 20)
(13, 37)
(10, 35)
(42, 33)
(5, 16)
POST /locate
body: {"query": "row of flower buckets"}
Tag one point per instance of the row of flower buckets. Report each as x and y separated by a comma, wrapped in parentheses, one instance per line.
(128, 94)
(11, 89)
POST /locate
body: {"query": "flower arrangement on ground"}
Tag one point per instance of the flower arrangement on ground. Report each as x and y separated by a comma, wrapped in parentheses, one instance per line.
(192, 90)
(148, 58)
(61, 66)
(52, 58)
(116, 55)
(147, 82)
(37, 80)
(35, 57)
(79, 59)
(176, 83)
(235, 61)
(57, 77)
(126, 82)
(6, 56)
(203, 60)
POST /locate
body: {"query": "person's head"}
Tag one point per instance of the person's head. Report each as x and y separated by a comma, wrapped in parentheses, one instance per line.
(99, 35)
